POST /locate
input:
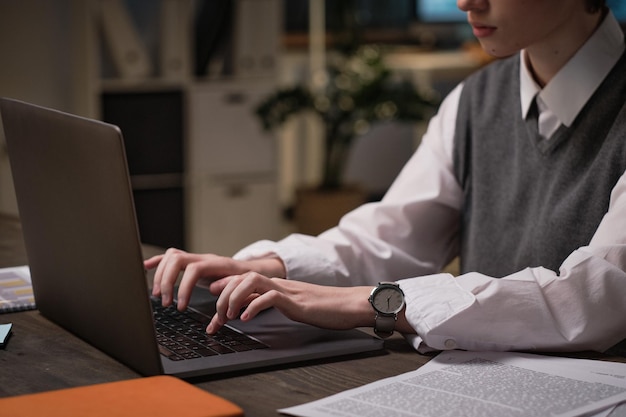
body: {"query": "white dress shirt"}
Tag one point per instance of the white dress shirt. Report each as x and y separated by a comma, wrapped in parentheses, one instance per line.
(413, 232)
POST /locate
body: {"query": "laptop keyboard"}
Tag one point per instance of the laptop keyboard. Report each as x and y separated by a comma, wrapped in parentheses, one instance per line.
(182, 335)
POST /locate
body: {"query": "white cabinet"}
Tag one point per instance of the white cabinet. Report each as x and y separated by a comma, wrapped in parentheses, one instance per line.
(225, 136)
(229, 168)
(229, 214)
(232, 194)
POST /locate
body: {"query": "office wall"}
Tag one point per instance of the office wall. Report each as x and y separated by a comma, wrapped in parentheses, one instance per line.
(39, 63)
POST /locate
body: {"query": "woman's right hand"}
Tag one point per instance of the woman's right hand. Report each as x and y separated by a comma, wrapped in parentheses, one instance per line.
(208, 270)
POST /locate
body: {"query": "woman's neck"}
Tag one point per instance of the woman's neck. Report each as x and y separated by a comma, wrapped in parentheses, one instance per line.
(546, 58)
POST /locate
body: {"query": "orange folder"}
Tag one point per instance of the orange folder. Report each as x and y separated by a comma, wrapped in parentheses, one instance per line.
(157, 396)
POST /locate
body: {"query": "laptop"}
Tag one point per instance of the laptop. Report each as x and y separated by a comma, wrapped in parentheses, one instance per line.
(85, 256)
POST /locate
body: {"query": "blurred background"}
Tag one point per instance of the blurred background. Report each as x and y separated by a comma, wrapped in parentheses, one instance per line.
(184, 80)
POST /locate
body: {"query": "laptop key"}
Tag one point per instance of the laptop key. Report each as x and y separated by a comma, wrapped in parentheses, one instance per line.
(166, 352)
(206, 352)
(222, 349)
(182, 335)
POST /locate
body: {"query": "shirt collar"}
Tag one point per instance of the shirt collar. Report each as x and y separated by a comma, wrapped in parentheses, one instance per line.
(580, 76)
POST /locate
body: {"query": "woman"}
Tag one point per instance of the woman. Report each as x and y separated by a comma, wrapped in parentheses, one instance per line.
(520, 173)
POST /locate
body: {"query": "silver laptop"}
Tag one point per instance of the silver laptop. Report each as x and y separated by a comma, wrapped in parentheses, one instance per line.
(83, 246)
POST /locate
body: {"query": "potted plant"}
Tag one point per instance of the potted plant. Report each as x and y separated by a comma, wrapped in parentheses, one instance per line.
(359, 91)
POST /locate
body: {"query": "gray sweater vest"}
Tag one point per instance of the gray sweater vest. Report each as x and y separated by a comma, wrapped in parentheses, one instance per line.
(530, 202)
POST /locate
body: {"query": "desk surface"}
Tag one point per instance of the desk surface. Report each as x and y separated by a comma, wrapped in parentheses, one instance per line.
(41, 356)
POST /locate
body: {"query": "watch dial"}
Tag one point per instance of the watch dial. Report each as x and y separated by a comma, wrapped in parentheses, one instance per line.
(388, 300)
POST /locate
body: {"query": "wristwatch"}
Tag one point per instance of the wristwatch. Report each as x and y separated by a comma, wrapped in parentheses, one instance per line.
(388, 300)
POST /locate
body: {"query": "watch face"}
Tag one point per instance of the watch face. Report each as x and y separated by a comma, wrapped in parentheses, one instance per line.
(388, 300)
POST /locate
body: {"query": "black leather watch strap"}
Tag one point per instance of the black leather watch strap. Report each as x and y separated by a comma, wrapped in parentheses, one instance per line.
(384, 325)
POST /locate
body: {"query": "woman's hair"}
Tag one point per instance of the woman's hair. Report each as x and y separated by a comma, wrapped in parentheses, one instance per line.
(595, 5)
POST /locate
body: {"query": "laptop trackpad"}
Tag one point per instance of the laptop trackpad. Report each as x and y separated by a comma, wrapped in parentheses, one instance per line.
(270, 326)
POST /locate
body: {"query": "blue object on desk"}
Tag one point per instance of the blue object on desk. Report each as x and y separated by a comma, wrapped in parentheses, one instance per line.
(5, 333)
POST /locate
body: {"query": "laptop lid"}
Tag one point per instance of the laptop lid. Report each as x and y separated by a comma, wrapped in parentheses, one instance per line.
(83, 246)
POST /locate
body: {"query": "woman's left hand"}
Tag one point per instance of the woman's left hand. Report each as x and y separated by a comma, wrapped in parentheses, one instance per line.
(321, 306)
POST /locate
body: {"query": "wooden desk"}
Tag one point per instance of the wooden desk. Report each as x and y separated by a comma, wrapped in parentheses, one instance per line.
(41, 356)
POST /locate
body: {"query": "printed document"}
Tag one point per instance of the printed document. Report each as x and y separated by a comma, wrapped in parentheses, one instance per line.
(482, 384)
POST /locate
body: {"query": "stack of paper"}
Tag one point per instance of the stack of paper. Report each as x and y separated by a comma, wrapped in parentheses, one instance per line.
(486, 384)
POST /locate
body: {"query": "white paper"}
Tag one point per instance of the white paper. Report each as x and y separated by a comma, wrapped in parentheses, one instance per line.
(482, 384)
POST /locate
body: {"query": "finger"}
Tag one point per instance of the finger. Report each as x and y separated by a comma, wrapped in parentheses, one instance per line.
(191, 275)
(219, 320)
(221, 306)
(167, 273)
(179, 262)
(248, 288)
(215, 324)
(152, 262)
(261, 302)
(223, 302)
(158, 273)
(237, 293)
(202, 269)
(216, 287)
(272, 298)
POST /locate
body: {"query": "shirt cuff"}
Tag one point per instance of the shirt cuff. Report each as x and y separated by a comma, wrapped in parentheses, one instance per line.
(303, 261)
(430, 301)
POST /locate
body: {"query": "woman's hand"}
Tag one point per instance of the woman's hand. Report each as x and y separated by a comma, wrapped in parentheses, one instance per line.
(211, 271)
(321, 306)
(244, 285)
